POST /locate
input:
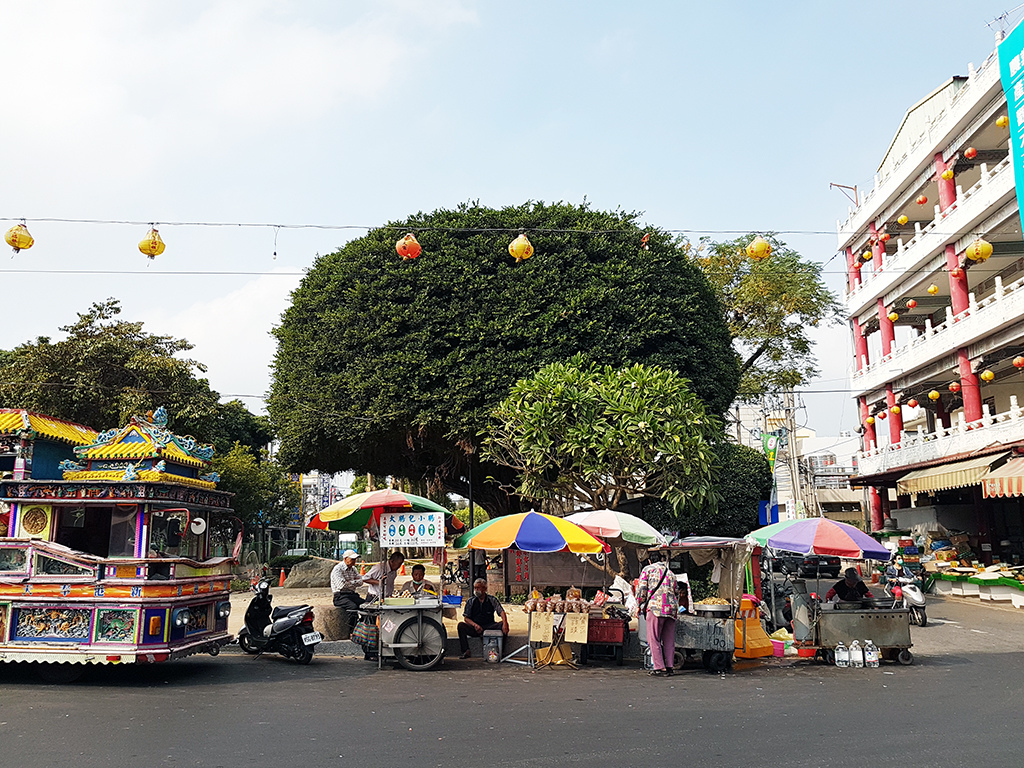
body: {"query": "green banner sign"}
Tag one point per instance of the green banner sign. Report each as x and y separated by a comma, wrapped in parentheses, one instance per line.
(1011, 73)
(770, 443)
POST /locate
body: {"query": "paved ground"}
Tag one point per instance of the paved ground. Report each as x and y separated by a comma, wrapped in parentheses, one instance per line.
(956, 706)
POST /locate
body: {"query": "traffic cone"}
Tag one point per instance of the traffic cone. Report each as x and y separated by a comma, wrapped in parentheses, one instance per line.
(280, 581)
(402, 571)
(362, 569)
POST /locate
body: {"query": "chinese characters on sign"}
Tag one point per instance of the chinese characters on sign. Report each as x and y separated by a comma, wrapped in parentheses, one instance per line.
(522, 560)
(1011, 72)
(412, 529)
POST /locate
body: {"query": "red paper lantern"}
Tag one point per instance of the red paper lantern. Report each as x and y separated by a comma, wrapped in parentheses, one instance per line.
(912, 403)
(970, 153)
(1018, 362)
(921, 200)
(954, 387)
(884, 237)
(957, 273)
(408, 247)
(911, 303)
(881, 414)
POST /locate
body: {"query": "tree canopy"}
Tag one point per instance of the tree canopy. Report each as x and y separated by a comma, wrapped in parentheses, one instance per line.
(393, 367)
(107, 370)
(769, 305)
(594, 435)
(263, 492)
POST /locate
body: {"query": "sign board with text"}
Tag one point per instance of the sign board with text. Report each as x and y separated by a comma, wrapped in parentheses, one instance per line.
(411, 529)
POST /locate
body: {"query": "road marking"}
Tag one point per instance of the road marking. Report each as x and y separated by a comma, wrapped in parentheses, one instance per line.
(979, 631)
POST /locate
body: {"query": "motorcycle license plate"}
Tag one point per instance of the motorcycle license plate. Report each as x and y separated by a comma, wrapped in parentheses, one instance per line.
(311, 638)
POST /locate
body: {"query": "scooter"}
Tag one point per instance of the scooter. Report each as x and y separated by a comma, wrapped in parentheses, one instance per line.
(906, 593)
(287, 630)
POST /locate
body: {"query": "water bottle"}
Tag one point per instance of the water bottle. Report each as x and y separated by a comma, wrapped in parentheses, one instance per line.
(856, 655)
(870, 655)
(842, 655)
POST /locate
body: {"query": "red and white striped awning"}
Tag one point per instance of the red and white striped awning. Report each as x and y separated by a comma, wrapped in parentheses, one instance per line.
(1008, 480)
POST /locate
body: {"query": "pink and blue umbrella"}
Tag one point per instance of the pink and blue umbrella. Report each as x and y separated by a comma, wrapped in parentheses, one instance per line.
(820, 536)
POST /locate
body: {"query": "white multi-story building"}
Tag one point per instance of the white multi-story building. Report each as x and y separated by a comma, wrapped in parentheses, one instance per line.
(936, 333)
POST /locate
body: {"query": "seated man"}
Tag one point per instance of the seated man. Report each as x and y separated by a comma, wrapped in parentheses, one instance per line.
(851, 587)
(479, 615)
(418, 586)
(345, 580)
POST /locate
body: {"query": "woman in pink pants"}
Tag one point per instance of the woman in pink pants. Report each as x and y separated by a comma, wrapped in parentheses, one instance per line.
(659, 592)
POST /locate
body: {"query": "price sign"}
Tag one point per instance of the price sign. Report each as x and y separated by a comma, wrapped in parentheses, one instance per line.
(576, 627)
(541, 627)
(412, 529)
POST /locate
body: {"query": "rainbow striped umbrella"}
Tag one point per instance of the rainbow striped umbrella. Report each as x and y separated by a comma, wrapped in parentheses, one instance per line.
(820, 536)
(531, 532)
(618, 528)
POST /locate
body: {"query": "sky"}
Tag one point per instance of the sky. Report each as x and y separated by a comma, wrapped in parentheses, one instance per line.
(714, 119)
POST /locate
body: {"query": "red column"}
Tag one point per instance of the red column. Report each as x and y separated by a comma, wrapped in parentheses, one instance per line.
(895, 419)
(883, 494)
(886, 327)
(958, 287)
(970, 388)
(852, 273)
(860, 344)
(875, 502)
(947, 187)
(869, 429)
(877, 248)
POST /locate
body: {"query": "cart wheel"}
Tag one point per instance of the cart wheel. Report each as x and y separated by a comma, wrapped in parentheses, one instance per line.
(618, 655)
(429, 641)
(584, 653)
(906, 658)
(678, 659)
(715, 661)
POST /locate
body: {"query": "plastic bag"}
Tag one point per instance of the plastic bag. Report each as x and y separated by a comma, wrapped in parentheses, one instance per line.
(630, 599)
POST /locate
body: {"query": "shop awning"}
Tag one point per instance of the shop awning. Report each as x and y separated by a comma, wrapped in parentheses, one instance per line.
(1008, 480)
(960, 474)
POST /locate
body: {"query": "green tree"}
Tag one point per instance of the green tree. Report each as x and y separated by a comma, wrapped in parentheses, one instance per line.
(393, 367)
(742, 478)
(264, 494)
(581, 433)
(107, 370)
(769, 305)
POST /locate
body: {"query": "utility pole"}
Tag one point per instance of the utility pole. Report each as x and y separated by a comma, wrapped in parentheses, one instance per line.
(789, 408)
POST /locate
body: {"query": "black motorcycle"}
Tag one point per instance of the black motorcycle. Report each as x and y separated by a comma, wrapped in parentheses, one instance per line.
(287, 630)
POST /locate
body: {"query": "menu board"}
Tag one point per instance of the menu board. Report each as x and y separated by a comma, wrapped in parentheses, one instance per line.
(576, 625)
(412, 529)
(541, 627)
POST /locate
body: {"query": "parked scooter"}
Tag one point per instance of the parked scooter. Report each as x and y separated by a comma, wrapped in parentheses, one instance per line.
(287, 630)
(906, 593)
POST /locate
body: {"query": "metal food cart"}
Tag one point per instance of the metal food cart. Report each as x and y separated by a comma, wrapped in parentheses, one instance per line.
(411, 631)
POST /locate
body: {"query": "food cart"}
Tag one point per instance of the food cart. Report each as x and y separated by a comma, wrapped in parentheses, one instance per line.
(106, 558)
(873, 619)
(710, 630)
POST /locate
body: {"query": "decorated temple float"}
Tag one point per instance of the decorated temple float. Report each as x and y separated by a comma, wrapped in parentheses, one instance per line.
(106, 557)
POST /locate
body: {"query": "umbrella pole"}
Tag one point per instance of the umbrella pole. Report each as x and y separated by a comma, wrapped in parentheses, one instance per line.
(510, 658)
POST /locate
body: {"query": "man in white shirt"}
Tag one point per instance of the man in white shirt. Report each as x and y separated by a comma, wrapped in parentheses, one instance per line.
(380, 580)
(345, 578)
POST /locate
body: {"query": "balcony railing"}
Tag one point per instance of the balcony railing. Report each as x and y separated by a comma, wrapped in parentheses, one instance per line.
(1003, 306)
(969, 207)
(978, 84)
(961, 438)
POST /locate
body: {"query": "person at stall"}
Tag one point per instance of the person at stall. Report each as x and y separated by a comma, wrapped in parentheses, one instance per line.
(850, 587)
(479, 615)
(380, 580)
(345, 577)
(658, 596)
(418, 586)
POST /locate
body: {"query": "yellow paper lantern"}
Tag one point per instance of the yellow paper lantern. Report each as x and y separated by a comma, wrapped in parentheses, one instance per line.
(870, 420)
(933, 289)
(759, 249)
(520, 248)
(18, 237)
(151, 244)
(866, 255)
(1003, 121)
(979, 250)
(902, 219)
(987, 375)
(895, 409)
(893, 317)
(948, 174)
(933, 395)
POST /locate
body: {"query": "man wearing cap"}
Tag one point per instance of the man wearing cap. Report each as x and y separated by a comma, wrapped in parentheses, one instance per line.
(344, 580)
(851, 587)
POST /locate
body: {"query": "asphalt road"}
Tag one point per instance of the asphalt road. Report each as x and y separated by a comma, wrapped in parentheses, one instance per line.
(955, 706)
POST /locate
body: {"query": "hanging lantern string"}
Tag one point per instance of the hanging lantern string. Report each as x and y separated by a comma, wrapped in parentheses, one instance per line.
(472, 230)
